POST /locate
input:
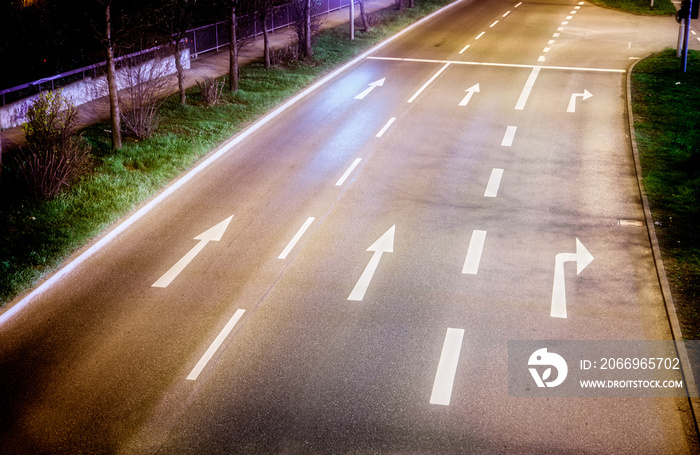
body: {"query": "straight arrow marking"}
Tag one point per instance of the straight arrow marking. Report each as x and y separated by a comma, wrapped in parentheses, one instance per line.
(582, 258)
(213, 234)
(371, 87)
(385, 244)
(572, 101)
(470, 92)
(447, 367)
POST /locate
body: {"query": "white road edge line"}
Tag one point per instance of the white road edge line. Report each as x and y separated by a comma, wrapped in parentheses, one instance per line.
(225, 148)
(430, 81)
(525, 94)
(215, 345)
(494, 183)
(509, 136)
(447, 367)
(386, 127)
(476, 248)
(352, 167)
(297, 237)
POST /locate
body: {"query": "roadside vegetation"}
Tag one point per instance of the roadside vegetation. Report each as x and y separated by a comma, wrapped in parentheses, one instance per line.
(38, 233)
(666, 106)
(644, 7)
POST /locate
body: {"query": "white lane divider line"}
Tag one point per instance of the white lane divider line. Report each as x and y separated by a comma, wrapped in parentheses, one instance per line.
(506, 14)
(385, 127)
(352, 167)
(476, 247)
(525, 94)
(215, 345)
(493, 25)
(480, 35)
(518, 5)
(447, 367)
(494, 183)
(430, 81)
(465, 48)
(296, 238)
(509, 136)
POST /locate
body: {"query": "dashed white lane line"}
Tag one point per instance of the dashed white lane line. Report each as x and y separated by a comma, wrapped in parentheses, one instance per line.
(476, 248)
(528, 88)
(386, 127)
(480, 35)
(354, 164)
(447, 367)
(215, 345)
(430, 81)
(494, 183)
(493, 25)
(297, 237)
(465, 48)
(509, 136)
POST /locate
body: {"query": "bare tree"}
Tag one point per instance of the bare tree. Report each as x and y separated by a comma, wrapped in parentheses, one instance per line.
(305, 24)
(115, 117)
(363, 15)
(233, 47)
(179, 14)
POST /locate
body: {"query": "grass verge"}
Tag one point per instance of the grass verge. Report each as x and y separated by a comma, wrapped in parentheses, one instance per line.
(666, 106)
(37, 236)
(643, 7)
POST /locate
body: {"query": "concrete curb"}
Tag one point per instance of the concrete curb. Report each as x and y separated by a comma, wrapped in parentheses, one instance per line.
(674, 324)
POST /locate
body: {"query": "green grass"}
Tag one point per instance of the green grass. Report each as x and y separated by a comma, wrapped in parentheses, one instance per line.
(666, 106)
(660, 8)
(37, 236)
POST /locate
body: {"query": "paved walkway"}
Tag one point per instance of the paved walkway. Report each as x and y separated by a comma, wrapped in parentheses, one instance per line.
(212, 64)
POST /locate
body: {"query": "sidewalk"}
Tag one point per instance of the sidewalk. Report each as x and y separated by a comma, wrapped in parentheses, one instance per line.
(212, 64)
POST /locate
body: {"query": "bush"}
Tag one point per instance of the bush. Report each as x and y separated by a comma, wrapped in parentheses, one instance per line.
(211, 90)
(52, 154)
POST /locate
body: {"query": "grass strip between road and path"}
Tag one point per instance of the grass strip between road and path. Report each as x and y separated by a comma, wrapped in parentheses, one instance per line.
(666, 107)
(38, 236)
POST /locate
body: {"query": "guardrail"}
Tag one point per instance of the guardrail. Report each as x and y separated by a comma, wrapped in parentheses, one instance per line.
(200, 40)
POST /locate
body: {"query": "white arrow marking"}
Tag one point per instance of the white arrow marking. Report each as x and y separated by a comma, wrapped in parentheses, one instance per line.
(582, 258)
(385, 244)
(572, 101)
(371, 87)
(470, 92)
(447, 367)
(194, 374)
(213, 234)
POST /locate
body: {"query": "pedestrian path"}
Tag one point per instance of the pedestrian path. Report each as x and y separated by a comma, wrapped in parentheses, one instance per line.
(212, 64)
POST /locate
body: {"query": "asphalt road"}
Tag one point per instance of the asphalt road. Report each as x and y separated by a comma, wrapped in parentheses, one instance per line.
(332, 253)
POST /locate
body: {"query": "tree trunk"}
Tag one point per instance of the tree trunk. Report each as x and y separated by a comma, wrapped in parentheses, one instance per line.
(410, 4)
(180, 72)
(266, 39)
(233, 53)
(308, 51)
(112, 85)
(363, 15)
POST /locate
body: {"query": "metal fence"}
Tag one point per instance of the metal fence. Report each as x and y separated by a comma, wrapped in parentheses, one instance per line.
(200, 40)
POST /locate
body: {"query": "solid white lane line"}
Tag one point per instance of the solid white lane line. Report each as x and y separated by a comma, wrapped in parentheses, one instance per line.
(352, 167)
(476, 248)
(528, 88)
(508, 137)
(465, 48)
(385, 127)
(494, 183)
(430, 81)
(296, 238)
(215, 345)
(480, 35)
(447, 367)
(501, 65)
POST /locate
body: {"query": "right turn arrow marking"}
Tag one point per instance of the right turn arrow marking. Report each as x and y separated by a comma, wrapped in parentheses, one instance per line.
(582, 258)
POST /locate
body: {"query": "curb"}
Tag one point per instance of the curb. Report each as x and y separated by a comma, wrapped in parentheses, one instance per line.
(676, 333)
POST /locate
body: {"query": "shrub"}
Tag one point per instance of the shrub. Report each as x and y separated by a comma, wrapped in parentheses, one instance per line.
(211, 90)
(52, 154)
